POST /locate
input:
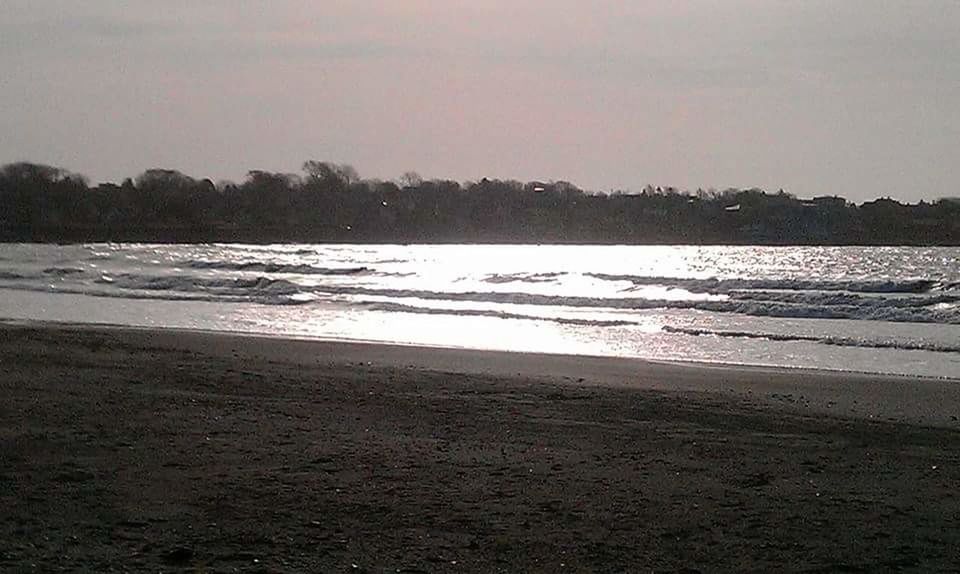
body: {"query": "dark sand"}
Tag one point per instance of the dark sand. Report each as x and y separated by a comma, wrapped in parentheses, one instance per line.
(126, 450)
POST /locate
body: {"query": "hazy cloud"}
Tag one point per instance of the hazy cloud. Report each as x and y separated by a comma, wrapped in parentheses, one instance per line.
(820, 96)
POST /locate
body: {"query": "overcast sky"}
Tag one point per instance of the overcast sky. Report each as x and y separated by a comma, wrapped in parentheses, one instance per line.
(855, 98)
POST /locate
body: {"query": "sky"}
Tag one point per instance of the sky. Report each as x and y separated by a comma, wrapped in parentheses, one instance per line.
(858, 98)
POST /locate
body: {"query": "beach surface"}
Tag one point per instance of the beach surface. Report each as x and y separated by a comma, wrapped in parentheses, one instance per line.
(137, 450)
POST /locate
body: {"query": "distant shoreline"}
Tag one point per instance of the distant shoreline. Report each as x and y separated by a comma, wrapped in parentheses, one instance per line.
(331, 203)
(194, 240)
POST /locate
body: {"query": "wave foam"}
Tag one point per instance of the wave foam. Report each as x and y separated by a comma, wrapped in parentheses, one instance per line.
(401, 308)
(936, 307)
(184, 283)
(835, 341)
(498, 278)
(875, 312)
(714, 285)
(271, 267)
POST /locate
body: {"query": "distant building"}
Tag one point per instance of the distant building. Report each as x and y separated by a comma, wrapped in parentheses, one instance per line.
(825, 202)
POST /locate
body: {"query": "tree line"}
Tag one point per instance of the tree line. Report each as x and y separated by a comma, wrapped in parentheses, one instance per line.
(330, 202)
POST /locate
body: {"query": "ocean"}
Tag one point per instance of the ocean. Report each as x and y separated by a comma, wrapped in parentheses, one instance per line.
(891, 310)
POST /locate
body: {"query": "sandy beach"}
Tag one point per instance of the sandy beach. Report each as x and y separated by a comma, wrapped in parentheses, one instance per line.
(165, 451)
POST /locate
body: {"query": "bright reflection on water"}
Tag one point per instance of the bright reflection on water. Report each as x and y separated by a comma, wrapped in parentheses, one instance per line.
(886, 309)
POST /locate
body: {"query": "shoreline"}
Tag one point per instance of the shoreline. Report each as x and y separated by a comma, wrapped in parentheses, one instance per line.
(374, 242)
(781, 369)
(931, 401)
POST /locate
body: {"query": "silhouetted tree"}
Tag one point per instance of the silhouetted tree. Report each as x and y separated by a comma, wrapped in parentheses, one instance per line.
(331, 203)
(330, 175)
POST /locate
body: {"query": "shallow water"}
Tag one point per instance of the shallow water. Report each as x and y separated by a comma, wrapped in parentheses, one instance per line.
(884, 310)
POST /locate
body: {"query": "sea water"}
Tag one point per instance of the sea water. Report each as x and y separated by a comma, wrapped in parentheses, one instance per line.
(870, 309)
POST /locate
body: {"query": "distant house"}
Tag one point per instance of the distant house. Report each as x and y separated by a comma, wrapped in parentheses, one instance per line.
(825, 202)
(553, 187)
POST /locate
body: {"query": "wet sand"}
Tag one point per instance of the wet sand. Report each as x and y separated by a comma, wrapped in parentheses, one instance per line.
(137, 450)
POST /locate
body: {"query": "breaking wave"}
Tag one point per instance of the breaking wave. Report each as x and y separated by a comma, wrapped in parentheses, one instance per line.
(713, 285)
(280, 249)
(914, 301)
(890, 310)
(261, 267)
(185, 283)
(498, 278)
(834, 341)
(262, 291)
(12, 276)
(62, 271)
(876, 310)
(401, 308)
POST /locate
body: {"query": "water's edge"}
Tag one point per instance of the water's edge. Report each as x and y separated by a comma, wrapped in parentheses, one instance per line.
(695, 364)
